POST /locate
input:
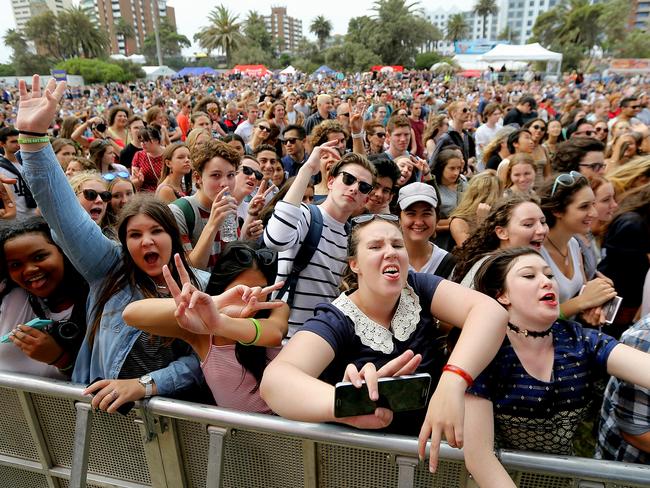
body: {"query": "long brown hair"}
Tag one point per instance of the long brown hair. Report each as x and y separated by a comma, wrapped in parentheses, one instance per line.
(126, 274)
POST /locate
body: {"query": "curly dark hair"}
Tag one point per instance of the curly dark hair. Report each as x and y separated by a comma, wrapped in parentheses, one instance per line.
(484, 239)
(568, 154)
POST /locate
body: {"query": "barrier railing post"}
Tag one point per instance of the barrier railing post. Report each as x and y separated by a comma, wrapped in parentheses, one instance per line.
(405, 471)
(35, 430)
(309, 460)
(171, 453)
(80, 450)
(215, 456)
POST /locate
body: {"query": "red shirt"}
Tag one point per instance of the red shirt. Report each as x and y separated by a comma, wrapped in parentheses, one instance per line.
(151, 167)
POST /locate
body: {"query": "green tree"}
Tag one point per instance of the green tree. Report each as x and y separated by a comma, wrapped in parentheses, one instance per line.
(635, 45)
(126, 31)
(43, 31)
(223, 32)
(351, 56)
(484, 8)
(398, 31)
(23, 61)
(80, 36)
(321, 28)
(251, 53)
(457, 28)
(171, 42)
(256, 32)
(572, 27)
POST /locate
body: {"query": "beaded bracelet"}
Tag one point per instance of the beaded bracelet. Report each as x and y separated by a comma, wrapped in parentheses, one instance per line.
(33, 140)
(258, 332)
(460, 372)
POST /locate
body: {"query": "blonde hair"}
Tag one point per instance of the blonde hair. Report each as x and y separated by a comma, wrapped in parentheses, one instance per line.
(624, 177)
(519, 158)
(80, 179)
(482, 188)
(193, 136)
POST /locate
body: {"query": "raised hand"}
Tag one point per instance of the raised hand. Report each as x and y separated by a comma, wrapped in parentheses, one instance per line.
(8, 207)
(259, 200)
(37, 109)
(313, 163)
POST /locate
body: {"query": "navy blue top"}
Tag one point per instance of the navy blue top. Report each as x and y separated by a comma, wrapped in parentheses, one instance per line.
(339, 331)
(535, 415)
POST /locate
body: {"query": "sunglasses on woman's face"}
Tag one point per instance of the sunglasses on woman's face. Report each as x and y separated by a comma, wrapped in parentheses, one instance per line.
(91, 195)
(349, 180)
(248, 171)
(538, 127)
(264, 128)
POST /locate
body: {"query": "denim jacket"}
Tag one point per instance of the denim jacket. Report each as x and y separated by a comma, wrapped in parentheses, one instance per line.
(95, 256)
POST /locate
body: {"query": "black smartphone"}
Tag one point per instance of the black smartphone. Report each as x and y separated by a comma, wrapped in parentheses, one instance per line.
(399, 394)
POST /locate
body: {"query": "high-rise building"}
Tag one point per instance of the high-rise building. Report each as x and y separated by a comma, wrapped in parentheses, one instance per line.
(26, 9)
(474, 22)
(286, 31)
(140, 15)
(640, 14)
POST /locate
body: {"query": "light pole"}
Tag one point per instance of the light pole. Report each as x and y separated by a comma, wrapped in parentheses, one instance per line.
(156, 25)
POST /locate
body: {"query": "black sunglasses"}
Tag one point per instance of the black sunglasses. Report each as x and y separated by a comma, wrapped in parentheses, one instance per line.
(594, 166)
(602, 129)
(380, 134)
(365, 218)
(245, 256)
(248, 171)
(349, 180)
(538, 127)
(91, 195)
(264, 128)
(290, 140)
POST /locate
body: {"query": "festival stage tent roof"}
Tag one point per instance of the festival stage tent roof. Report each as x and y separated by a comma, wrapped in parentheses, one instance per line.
(199, 71)
(473, 62)
(526, 52)
(154, 72)
(251, 69)
(289, 70)
(325, 70)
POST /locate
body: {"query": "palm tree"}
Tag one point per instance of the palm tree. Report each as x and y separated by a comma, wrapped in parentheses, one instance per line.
(80, 36)
(456, 28)
(126, 30)
(483, 8)
(321, 28)
(223, 32)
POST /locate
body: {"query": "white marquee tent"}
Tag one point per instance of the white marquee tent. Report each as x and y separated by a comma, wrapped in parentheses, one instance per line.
(154, 72)
(526, 52)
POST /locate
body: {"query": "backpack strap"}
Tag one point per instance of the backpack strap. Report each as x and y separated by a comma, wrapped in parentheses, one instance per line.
(305, 253)
(446, 266)
(188, 213)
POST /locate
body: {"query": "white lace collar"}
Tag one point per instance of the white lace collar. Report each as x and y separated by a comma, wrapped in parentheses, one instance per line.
(373, 335)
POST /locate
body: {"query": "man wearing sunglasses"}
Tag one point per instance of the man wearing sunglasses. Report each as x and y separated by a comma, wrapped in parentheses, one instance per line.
(630, 107)
(293, 140)
(350, 181)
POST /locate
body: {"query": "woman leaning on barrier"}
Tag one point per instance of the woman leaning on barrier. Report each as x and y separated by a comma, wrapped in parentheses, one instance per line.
(129, 364)
(388, 312)
(538, 387)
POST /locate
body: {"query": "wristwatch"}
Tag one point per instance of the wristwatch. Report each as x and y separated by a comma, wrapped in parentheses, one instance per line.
(147, 382)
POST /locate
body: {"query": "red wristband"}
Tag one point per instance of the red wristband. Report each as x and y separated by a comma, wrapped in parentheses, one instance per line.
(460, 372)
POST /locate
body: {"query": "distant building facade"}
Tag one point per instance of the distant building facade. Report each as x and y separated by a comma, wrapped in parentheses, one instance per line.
(141, 15)
(285, 30)
(26, 9)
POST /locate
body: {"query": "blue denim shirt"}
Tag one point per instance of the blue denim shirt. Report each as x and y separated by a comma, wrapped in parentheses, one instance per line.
(95, 256)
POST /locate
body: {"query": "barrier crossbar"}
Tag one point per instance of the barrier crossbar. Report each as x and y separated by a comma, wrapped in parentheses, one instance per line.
(50, 437)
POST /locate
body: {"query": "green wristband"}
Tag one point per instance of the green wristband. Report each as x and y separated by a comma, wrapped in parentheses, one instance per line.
(258, 332)
(33, 140)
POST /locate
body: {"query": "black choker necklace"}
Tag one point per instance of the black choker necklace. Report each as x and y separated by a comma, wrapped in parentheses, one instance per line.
(529, 333)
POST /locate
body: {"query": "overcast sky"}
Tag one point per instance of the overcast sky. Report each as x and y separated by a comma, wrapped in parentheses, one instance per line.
(191, 15)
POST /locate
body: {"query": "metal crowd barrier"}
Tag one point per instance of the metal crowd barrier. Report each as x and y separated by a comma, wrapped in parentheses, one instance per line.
(50, 437)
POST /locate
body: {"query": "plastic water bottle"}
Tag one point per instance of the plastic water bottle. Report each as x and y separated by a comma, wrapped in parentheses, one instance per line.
(228, 229)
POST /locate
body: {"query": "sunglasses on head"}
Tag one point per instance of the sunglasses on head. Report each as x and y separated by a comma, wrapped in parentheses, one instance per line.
(349, 180)
(566, 179)
(365, 218)
(245, 256)
(91, 195)
(112, 176)
(248, 171)
(290, 140)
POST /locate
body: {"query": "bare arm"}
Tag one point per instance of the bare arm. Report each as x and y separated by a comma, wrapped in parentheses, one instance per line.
(630, 364)
(306, 171)
(459, 229)
(480, 459)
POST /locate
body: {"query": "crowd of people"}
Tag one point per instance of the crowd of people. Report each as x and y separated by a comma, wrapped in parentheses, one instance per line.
(251, 242)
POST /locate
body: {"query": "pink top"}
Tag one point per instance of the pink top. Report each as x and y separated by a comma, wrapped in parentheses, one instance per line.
(231, 384)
